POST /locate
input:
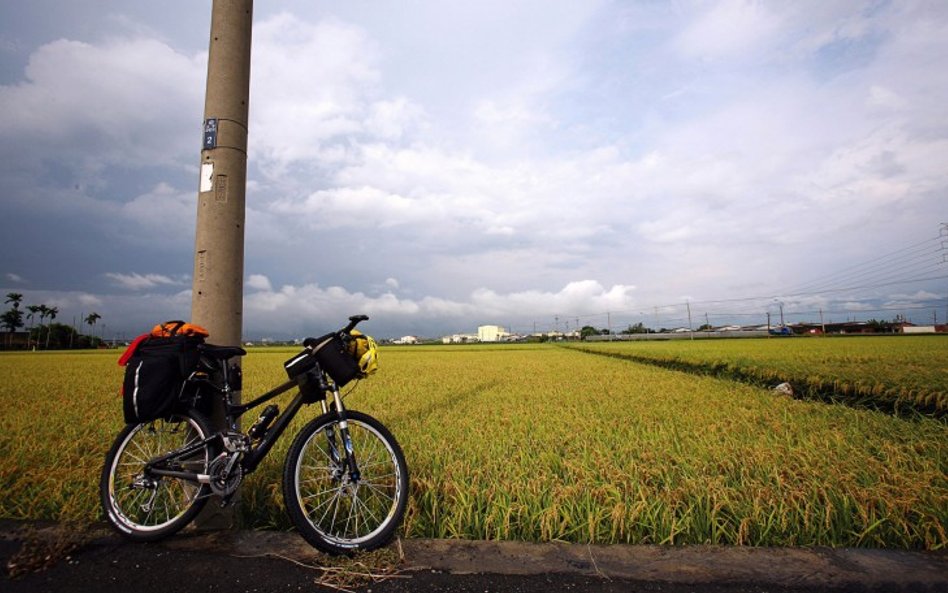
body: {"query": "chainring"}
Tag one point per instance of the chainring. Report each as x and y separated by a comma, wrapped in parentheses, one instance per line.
(220, 485)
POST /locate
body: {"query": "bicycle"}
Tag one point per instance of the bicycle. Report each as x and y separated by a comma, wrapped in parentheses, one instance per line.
(345, 480)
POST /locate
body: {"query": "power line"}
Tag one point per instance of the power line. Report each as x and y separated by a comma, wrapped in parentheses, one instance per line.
(925, 261)
(918, 250)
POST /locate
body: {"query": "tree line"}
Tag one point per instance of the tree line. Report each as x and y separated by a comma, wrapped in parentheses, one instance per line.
(638, 328)
(44, 335)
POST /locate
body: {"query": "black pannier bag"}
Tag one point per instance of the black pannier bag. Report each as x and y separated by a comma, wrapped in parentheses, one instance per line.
(155, 377)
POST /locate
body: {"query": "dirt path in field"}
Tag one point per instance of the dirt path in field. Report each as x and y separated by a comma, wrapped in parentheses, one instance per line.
(269, 561)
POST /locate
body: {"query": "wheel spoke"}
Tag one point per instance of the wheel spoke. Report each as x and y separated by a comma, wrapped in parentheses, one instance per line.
(378, 491)
(338, 512)
(335, 499)
(322, 493)
(168, 498)
(358, 501)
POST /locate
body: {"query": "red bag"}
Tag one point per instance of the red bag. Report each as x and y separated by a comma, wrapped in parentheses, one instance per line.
(130, 351)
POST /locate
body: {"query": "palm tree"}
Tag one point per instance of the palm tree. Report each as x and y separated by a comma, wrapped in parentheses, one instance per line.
(15, 298)
(43, 311)
(33, 310)
(51, 312)
(91, 319)
(13, 318)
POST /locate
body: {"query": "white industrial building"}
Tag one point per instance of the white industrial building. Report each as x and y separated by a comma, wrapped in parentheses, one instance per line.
(491, 333)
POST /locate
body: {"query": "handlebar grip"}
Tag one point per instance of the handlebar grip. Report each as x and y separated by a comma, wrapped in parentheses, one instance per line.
(311, 343)
(353, 321)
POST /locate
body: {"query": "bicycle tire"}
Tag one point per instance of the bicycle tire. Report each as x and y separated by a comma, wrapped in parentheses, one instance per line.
(314, 484)
(148, 509)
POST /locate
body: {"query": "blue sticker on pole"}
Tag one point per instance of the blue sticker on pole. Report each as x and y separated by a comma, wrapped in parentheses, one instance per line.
(210, 133)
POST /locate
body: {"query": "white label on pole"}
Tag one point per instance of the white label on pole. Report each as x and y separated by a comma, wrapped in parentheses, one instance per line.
(207, 176)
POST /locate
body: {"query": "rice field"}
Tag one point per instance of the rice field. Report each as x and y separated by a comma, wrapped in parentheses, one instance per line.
(541, 443)
(903, 374)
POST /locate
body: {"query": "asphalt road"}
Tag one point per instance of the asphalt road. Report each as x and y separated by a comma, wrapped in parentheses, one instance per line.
(49, 559)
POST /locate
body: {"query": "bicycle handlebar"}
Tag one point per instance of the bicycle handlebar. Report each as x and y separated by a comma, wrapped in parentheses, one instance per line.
(354, 320)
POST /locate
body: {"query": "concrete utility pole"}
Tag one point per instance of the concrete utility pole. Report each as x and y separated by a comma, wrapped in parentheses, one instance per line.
(691, 328)
(217, 300)
(218, 285)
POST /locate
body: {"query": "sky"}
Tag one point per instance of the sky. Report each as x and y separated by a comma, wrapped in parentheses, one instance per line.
(441, 165)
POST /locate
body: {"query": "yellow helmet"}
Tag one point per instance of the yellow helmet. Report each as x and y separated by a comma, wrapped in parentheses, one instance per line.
(365, 352)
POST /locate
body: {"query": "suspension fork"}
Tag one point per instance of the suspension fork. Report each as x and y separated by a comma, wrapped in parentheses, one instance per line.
(347, 456)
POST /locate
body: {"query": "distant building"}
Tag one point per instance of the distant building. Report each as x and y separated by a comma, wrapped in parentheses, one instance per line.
(491, 333)
(406, 340)
(925, 329)
(458, 339)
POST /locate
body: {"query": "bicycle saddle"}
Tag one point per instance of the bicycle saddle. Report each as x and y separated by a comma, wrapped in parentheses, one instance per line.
(221, 352)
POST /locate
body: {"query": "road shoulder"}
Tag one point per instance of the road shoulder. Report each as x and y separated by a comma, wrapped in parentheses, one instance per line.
(803, 568)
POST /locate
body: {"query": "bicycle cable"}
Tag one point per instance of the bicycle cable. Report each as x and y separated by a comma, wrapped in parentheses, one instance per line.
(351, 389)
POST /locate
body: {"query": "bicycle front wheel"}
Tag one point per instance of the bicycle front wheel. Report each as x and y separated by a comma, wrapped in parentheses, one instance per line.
(334, 509)
(145, 507)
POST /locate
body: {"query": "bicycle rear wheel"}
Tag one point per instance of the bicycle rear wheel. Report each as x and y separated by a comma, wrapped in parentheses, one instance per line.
(332, 510)
(145, 507)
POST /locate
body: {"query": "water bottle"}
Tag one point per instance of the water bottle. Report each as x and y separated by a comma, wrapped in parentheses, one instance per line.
(262, 424)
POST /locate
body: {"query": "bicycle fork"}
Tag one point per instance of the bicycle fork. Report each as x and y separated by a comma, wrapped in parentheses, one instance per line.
(345, 459)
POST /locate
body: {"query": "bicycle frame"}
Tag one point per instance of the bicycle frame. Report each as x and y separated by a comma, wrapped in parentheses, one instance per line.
(255, 454)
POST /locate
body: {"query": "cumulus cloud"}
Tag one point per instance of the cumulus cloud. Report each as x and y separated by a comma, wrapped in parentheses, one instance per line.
(298, 112)
(259, 282)
(316, 306)
(579, 298)
(88, 300)
(99, 105)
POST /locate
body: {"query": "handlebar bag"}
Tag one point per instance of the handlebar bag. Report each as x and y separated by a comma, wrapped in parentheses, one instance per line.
(333, 358)
(155, 376)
